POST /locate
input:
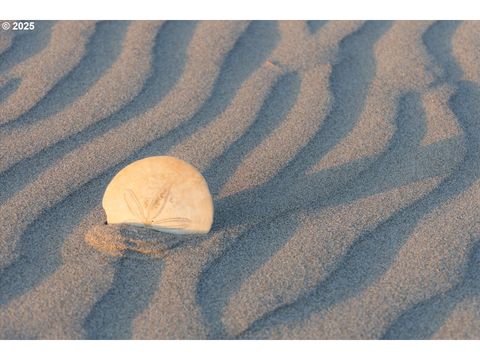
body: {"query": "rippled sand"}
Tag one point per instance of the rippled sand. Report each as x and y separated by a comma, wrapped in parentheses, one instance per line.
(343, 157)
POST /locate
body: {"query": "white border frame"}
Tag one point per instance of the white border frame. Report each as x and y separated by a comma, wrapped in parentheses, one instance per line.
(240, 10)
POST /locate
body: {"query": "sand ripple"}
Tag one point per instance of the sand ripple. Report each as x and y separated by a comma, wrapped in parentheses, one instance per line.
(342, 156)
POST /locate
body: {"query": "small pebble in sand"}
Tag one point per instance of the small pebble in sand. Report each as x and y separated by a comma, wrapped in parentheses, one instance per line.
(161, 193)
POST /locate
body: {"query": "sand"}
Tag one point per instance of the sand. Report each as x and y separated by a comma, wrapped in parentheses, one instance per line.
(342, 156)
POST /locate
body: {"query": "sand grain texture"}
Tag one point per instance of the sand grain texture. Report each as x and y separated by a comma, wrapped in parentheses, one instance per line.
(342, 157)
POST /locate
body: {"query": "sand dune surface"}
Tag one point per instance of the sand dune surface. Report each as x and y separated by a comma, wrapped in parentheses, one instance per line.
(342, 156)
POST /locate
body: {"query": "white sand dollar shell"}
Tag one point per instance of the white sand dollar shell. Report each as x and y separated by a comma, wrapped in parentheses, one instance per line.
(160, 192)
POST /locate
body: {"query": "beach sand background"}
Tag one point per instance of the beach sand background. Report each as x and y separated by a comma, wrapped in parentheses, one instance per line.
(343, 158)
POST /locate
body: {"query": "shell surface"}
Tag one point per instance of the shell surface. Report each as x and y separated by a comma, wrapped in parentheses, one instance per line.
(160, 192)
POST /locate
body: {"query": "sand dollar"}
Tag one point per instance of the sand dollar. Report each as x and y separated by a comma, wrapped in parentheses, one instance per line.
(162, 193)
